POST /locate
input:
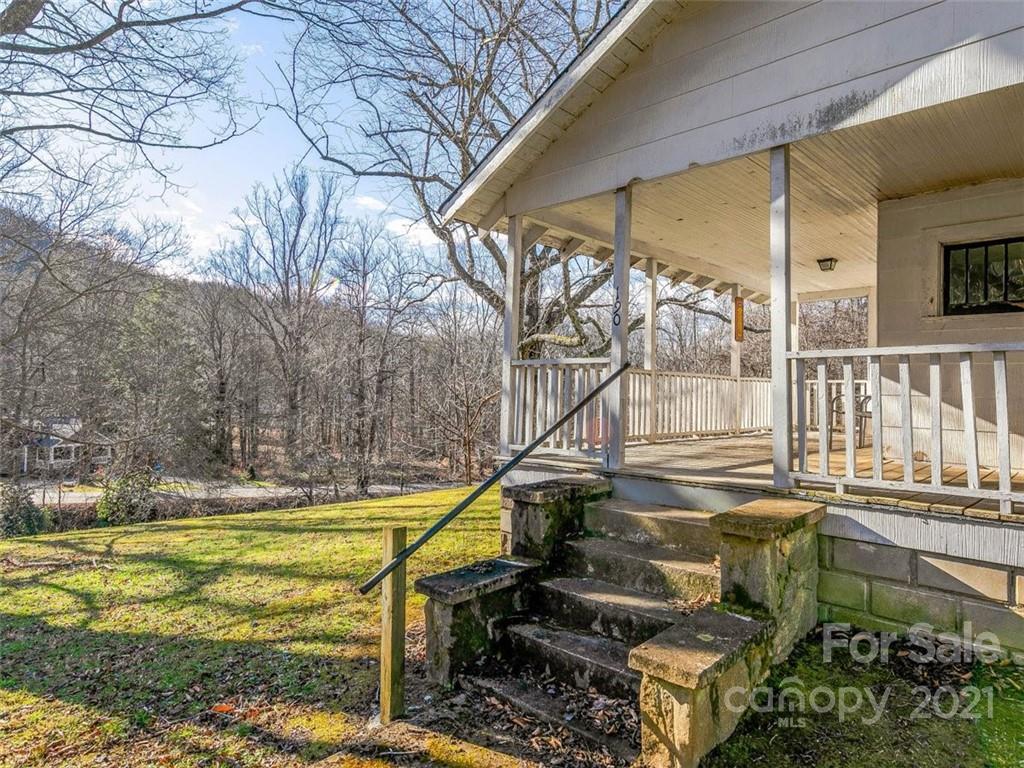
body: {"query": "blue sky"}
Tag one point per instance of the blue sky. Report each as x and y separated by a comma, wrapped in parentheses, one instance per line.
(214, 181)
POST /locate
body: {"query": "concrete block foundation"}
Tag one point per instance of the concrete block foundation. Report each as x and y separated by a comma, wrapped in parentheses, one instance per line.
(892, 588)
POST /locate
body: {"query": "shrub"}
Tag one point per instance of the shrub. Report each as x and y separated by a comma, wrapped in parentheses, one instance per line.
(129, 499)
(19, 515)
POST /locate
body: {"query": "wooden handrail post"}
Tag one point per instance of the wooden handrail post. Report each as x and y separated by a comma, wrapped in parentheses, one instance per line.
(392, 635)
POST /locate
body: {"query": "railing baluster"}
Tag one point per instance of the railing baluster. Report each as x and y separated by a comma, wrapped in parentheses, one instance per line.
(674, 405)
(824, 425)
(1002, 429)
(935, 403)
(516, 404)
(581, 417)
(542, 399)
(682, 406)
(552, 410)
(801, 416)
(702, 405)
(593, 413)
(687, 404)
(524, 416)
(531, 396)
(652, 416)
(875, 384)
(970, 420)
(567, 401)
(906, 419)
(850, 417)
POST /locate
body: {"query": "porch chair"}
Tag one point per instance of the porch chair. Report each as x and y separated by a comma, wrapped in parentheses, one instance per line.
(861, 413)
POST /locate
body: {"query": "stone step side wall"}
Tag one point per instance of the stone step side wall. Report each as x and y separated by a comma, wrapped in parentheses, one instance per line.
(890, 588)
(699, 675)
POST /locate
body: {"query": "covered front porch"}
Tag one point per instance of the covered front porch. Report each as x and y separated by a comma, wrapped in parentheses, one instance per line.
(926, 414)
(744, 462)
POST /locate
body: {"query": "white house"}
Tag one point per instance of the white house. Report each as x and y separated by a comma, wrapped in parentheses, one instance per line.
(57, 445)
(742, 147)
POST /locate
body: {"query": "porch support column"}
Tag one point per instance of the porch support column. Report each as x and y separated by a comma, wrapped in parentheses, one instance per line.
(781, 310)
(510, 344)
(651, 346)
(615, 397)
(872, 298)
(736, 358)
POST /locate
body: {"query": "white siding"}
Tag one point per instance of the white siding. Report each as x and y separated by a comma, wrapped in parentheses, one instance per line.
(741, 77)
(910, 237)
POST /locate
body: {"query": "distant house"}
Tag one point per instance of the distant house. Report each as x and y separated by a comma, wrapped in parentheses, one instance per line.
(58, 444)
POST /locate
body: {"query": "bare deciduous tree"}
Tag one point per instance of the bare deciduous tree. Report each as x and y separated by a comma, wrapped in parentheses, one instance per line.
(116, 76)
(464, 354)
(287, 236)
(435, 85)
(380, 284)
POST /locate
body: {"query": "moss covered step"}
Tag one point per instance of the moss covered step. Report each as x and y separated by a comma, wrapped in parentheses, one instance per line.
(647, 568)
(606, 609)
(582, 659)
(653, 524)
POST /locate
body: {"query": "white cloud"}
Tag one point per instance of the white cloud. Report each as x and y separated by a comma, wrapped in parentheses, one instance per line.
(248, 50)
(204, 232)
(413, 232)
(369, 203)
(188, 207)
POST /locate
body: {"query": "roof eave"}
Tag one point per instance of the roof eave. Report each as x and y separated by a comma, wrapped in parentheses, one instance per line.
(556, 94)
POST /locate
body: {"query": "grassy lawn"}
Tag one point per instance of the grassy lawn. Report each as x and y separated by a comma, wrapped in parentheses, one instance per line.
(241, 641)
(237, 640)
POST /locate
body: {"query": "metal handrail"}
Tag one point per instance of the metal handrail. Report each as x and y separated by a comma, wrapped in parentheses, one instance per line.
(406, 553)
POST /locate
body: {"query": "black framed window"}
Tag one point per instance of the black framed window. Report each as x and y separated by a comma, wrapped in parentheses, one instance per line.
(984, 277)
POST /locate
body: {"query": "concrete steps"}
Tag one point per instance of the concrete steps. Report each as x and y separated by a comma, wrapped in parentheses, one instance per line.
(606, 609)
(686, 529)
(582, 659)
(623, 584)
(650, 568)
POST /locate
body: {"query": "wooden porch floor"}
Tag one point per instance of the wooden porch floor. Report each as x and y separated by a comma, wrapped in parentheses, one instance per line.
(745, 462)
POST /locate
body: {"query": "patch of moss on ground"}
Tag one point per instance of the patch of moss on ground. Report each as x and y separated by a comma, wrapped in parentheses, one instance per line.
(1002, 733)
(900, 737)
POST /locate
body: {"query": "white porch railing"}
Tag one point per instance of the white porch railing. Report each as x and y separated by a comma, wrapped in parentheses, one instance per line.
(665, 405)
(544, 390)
(923, 417)
(681, 404)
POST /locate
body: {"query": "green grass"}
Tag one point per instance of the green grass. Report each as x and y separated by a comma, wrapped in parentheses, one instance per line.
(241, 641)
(235, 640)
(176, 486)
(256, 483)
(83, 488)
(170, 486)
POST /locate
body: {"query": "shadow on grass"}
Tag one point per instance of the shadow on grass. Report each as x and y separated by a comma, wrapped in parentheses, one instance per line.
(147, 678)
(154, 626)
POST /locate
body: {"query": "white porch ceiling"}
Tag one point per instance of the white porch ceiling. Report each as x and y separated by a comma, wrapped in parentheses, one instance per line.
(710, 224)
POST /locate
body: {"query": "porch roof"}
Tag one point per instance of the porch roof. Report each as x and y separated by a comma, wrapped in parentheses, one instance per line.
(709, 226)
(932, 122)
(479, 199)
